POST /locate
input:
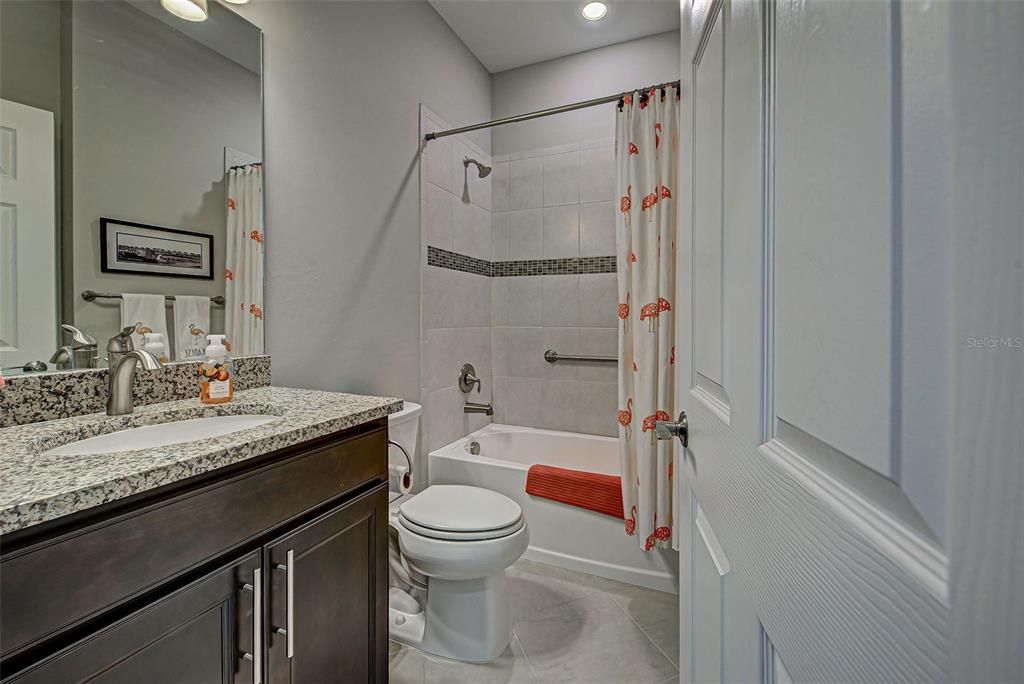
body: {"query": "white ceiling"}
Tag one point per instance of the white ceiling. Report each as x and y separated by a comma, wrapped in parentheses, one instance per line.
(504, 34)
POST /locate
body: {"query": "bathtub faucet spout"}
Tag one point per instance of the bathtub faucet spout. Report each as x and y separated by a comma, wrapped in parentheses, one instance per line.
(473, 407)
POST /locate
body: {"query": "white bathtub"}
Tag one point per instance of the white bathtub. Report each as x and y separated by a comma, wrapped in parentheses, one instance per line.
(561, 535)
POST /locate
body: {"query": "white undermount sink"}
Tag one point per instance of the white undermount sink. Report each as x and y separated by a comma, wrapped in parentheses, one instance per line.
(164, 434)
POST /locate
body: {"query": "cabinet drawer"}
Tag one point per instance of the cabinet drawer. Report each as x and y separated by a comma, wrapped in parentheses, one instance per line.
(59, 583)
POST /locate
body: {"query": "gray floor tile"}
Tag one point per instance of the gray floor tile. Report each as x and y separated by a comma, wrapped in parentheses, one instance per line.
(590, 640)
(656, 612)
(570, 627)
(410, 666)
(534, 587)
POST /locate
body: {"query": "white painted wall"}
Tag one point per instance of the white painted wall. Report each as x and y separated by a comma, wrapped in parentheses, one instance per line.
(343, 83)
(583, 76)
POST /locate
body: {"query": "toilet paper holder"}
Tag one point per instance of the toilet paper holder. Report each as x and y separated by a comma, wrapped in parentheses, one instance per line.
(408, 460)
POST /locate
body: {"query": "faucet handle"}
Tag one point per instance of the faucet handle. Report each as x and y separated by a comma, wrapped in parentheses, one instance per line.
(122, 341)
(80, 337)
(468, 378)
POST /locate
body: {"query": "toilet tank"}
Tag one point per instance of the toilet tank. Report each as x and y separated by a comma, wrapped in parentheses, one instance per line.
(404, 428)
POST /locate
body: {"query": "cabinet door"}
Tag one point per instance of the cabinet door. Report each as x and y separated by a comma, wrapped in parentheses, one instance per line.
(328, 596)
(199, 634)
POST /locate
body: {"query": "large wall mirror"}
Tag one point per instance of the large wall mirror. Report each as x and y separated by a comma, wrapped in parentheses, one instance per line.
(131, 147)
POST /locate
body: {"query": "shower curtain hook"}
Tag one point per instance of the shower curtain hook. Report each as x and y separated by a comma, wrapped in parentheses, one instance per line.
(622, 102)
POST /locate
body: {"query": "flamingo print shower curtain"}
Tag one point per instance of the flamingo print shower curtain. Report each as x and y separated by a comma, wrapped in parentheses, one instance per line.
(243, 263)
(646, 150)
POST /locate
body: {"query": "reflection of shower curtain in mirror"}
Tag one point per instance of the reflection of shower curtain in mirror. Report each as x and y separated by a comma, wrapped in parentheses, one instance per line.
(646, 151)
(243, 267)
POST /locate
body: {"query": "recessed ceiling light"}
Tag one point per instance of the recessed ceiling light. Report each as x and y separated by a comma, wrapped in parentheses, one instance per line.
(594, 10)
(238, 2)
(189, 10)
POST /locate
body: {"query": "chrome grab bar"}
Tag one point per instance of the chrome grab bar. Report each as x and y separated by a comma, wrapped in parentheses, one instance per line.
(551, 356)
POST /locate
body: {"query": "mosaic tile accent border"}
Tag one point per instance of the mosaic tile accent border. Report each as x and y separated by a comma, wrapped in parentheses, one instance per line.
(442, 258)
(35, 397)
(571, 266)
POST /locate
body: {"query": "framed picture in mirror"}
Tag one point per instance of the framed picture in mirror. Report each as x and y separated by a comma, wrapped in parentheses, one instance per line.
(129, 247)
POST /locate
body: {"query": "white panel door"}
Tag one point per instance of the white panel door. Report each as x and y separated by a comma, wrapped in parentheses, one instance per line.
(851, 275)
(28, 235)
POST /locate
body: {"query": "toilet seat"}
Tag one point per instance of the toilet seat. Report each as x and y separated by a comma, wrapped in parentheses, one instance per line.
(470, 536)
(460, 513)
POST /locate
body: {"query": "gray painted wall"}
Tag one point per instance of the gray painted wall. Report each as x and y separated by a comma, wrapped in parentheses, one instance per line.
(583, 76)
(343, 271)
(30, 53)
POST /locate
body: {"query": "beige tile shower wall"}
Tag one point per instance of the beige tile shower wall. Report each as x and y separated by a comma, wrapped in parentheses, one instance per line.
(456, 306)
(554, 203)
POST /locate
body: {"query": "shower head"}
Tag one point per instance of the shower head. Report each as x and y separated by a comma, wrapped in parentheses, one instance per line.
(483, 170)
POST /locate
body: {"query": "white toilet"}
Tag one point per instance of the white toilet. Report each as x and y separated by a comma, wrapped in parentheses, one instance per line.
(449, 548)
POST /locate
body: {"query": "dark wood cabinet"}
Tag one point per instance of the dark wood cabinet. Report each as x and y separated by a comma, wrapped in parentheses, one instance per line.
(196, 634)
(328, 596)
(199, 582)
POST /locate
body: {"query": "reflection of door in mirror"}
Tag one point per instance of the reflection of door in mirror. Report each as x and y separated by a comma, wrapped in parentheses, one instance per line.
(28, 260)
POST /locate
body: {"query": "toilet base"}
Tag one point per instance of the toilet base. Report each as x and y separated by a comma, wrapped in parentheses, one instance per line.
(465, 620)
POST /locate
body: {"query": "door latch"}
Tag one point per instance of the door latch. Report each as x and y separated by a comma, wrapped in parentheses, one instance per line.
(666, 429)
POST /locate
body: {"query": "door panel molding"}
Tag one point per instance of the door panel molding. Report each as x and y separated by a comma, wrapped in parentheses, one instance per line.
(714, 548)
(917, 555)
(711, 399)
(8, 277)
(858, 630)
(707, 251)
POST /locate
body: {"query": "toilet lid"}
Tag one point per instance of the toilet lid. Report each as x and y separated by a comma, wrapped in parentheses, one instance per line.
(460, 536)
(458, 508)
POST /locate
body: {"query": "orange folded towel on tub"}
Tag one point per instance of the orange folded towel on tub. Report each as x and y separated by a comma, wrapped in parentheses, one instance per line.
(592, 491)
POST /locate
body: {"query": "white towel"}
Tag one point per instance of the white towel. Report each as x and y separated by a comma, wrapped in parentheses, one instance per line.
(191, 326)
(145, 311)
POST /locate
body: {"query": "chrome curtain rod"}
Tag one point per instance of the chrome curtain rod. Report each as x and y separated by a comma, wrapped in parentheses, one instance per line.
(89, 295)
(545, 112)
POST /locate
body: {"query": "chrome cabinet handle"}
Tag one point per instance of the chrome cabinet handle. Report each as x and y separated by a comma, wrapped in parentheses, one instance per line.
(256, 657)
(257, 626)
(289, 630)
(666, 429)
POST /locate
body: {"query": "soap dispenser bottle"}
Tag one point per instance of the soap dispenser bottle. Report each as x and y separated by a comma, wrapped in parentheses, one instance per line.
(215, 382)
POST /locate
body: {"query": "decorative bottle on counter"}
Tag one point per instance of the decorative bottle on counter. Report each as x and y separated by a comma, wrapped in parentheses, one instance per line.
(154, 344)
(215, 373)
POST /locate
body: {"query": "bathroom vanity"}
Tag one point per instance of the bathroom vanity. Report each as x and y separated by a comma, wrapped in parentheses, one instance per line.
(255, 556)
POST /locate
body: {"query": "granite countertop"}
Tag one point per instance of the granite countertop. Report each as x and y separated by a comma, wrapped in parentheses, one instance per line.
(35, 488)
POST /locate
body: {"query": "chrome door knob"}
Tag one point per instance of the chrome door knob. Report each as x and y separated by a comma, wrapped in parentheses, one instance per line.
(666, 429)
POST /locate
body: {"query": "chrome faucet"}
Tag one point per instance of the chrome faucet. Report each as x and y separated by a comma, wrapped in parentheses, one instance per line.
(119, 387)
(473, 407)
(81, 354)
